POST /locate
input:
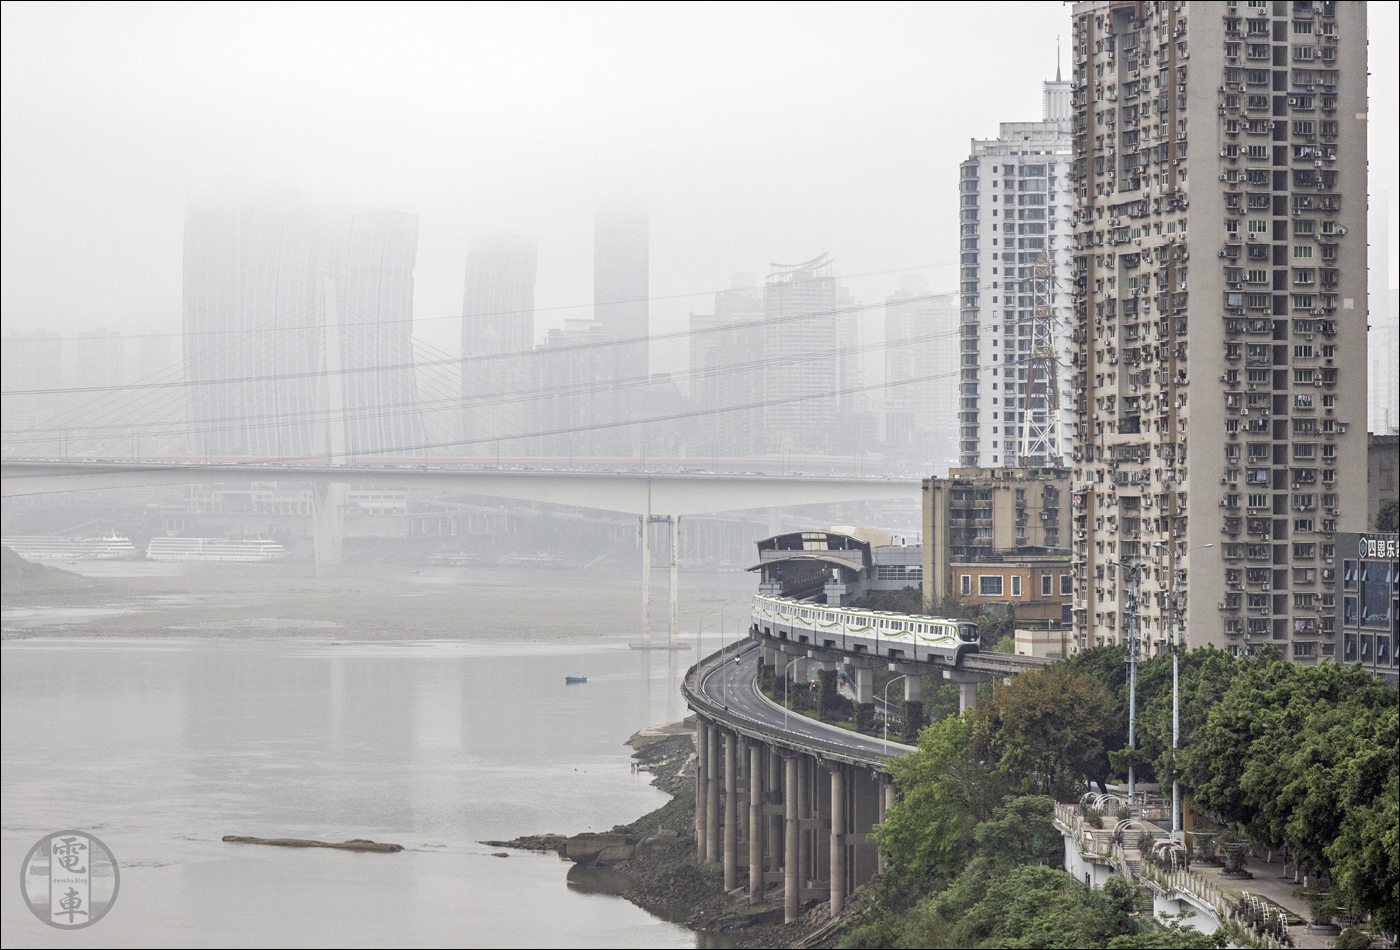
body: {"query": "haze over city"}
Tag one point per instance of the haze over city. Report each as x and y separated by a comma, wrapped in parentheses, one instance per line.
(757, 134)
(949, 454)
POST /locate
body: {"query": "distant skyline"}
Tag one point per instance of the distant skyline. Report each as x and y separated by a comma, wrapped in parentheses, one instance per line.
(756, 134)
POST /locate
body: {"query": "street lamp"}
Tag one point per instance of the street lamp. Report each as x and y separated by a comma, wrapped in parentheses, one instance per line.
(699, 654)
(786, 670)
(724, 683)
(887, 709)
(1130, 617)
(1176, 692)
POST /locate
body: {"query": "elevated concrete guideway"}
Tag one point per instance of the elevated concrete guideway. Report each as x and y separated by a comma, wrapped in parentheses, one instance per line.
(653, 497)
(789, 799)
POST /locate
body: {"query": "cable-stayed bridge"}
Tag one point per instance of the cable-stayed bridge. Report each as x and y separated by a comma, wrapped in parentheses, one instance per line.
(649, 495)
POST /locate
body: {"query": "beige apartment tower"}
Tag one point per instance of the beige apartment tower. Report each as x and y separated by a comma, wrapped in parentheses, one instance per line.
(1220, 318)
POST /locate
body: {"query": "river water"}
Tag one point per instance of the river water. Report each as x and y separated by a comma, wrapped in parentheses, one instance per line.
(162, 746)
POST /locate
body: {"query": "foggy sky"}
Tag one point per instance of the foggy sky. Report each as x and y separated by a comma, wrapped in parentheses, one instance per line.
(757, 134)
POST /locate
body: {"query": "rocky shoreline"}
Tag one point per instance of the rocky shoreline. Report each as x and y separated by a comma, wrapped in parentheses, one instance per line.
(652, 861)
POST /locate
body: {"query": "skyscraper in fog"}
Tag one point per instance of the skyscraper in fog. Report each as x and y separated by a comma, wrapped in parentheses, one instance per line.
(297, 330)
(373, 277)
(32, 361)
(498, 326)
(801, 334)
(621, 287)
(920, 342)
(726, 372)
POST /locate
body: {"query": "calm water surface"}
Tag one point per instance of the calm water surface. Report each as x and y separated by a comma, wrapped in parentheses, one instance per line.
(161, 747)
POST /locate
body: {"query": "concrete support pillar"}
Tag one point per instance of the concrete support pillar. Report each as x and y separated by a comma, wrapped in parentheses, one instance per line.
(328, 524)
(646, 575)
(731, 812)
(804, 811)
(702, 771)
(756, 823)
(712, 817)
(790, 841)
(967, 697)
(838, 840)
(913, 689)
(774, 821)
(675, 581)
(967, 687)
(744, 779)
(886, 800)
(863, 678)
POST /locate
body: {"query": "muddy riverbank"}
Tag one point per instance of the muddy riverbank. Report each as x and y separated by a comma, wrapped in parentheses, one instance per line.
(653, 861)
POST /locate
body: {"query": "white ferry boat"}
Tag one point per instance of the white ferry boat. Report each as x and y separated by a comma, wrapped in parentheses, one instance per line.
(213, 549)
(44, 548)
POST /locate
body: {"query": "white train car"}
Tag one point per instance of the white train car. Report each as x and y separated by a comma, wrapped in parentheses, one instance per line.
(855, 630)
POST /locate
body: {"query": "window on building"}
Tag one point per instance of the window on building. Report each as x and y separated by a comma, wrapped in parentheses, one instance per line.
(989, 585)
(966, 584)
(1045, 585)
(1015, 585)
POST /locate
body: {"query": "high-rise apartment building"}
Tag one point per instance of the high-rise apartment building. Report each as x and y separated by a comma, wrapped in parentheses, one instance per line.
(802, 335)
(1384, 339)
(1015, 209)
(621, 291)
(572, 370)
(921, 375)
(373, 278)
(1220, 269)
(32, 361)
(298, 330)
(726, 372)
(498, 331)
(254, 277)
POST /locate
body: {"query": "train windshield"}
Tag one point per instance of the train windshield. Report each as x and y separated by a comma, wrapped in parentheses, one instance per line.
(967, 632)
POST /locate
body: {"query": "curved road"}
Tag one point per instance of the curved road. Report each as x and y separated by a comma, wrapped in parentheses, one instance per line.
(733, 688)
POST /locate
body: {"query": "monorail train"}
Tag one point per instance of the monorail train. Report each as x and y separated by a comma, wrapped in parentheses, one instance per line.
(855, 630)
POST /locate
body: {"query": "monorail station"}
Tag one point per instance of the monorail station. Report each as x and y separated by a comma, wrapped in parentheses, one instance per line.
(803, 609)
(836, 565)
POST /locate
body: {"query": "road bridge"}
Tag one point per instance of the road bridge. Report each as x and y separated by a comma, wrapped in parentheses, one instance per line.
(652, 497)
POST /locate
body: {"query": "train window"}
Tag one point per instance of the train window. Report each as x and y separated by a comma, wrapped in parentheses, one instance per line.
(969, 632)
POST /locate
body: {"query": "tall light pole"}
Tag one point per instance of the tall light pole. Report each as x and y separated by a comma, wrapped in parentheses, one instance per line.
(699, 654)
(1176, 691)
(724, 683)
(887, 709)
(786, 670)
(1130, 618)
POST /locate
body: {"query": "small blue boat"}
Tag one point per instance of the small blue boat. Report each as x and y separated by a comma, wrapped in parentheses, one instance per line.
(575, 679)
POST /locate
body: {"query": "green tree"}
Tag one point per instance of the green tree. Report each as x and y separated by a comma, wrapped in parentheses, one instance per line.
(1022, 831)
(1045, 732)
(1365, 855)
(944, 791)
(1205, 675)
(1388, 517)
(1269, 752)
(1035, 907)
(1109, 666)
